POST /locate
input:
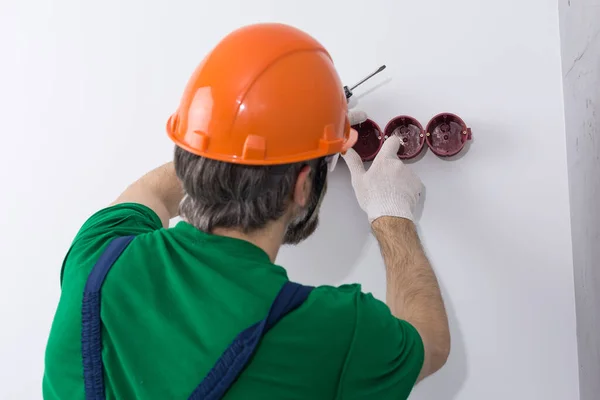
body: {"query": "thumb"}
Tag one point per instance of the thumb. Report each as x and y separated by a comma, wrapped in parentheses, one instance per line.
(357, 117)
(390, 147)
(354, 162)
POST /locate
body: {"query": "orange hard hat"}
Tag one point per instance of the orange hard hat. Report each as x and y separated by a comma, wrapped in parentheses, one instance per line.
(266, 94)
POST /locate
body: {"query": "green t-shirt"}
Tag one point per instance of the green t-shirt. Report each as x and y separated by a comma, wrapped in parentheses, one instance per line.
(176, 298)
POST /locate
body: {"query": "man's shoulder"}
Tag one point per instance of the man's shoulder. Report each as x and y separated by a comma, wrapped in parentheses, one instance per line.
(382, 354)
(337, 293)
(358, 314)
(350, 296)
(337, 307)
(336, 298)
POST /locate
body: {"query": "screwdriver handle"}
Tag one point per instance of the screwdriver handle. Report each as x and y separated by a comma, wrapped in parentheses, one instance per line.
(347, 92)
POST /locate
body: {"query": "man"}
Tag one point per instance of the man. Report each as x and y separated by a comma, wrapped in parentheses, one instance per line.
(200, 310)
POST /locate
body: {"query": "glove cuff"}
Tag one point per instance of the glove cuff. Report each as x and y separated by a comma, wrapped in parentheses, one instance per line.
(389, 209)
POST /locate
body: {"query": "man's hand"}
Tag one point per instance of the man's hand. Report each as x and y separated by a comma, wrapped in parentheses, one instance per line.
(388, 188)
(357, 117)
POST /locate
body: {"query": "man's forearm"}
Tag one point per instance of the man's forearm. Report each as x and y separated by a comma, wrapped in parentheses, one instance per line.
(159, 189)
(413, 293)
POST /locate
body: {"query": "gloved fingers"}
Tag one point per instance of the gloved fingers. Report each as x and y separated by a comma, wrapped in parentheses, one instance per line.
(390, 148)
(354, 162)
(356, 117)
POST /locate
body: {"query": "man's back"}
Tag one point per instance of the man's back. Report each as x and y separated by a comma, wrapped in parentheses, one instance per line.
(176, 298)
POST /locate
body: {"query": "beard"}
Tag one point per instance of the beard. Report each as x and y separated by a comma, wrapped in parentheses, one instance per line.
(305, 224)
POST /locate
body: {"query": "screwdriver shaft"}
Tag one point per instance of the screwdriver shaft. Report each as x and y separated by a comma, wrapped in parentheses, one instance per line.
(368, 77)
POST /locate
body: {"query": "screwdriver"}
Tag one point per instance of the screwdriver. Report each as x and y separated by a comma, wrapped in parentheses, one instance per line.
(348, 91)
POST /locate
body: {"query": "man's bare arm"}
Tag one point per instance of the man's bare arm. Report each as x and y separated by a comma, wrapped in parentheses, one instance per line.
(413, 293)
(159, 189)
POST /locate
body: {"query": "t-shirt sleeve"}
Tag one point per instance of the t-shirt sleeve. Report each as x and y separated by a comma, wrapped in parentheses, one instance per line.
(119, 220)
(385, 356)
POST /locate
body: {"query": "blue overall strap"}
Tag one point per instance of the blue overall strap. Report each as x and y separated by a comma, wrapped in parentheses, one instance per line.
(91, 325)
(235, 358)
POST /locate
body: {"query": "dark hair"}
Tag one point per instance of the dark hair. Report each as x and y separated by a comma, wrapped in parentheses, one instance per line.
(225, 195)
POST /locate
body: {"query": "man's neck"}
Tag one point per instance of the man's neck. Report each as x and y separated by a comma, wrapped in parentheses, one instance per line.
(269, 239)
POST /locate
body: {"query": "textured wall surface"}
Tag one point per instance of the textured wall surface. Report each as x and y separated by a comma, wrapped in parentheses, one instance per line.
(580, 37)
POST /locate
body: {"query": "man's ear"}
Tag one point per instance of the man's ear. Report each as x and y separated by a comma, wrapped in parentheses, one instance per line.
(303, 187)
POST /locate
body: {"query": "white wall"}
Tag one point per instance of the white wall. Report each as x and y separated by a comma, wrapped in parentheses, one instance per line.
(580, 36)
(86, 89)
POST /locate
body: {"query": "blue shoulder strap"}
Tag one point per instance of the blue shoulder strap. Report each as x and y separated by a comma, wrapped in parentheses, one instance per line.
(227, 369)
(91, 325)
(236, 357)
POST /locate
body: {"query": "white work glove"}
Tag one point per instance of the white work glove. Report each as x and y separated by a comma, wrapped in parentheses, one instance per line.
(389, 187)
(357, 117)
